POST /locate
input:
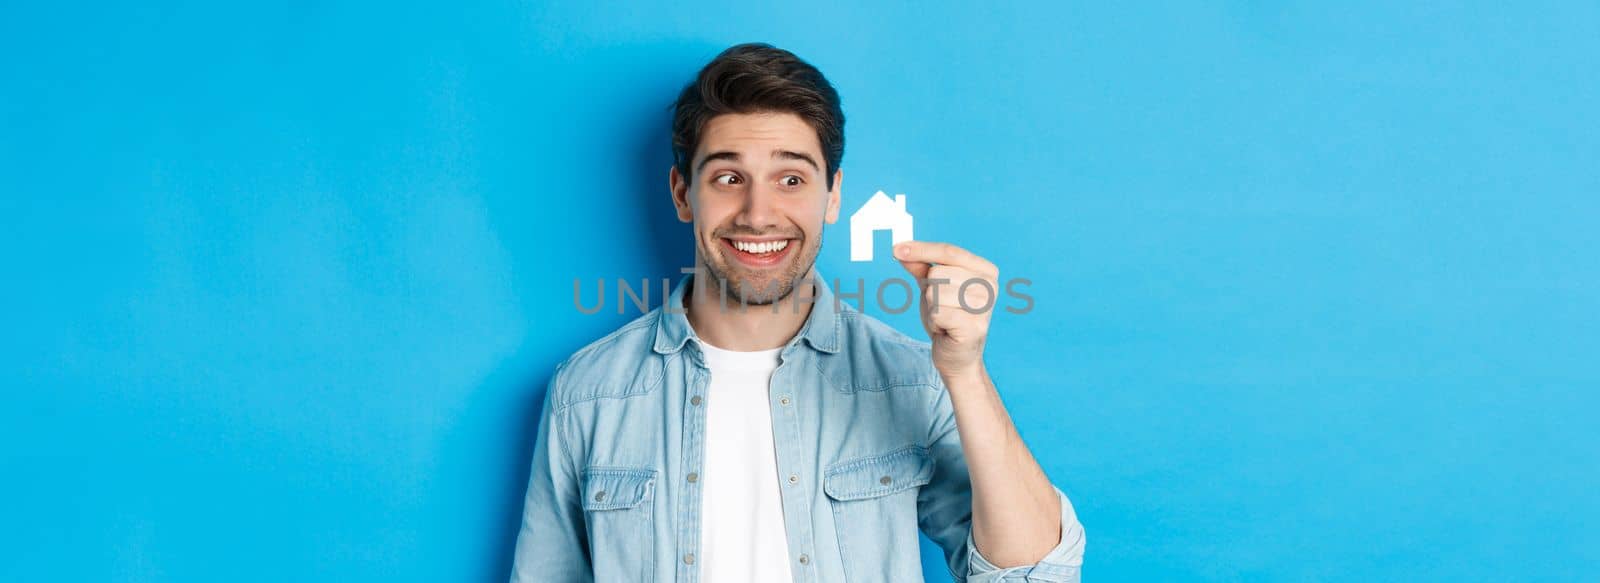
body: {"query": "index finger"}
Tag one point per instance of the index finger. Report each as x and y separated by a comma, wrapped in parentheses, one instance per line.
(943, 254)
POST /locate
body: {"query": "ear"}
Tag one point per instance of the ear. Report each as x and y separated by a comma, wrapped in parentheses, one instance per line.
(680, 195)
(833, 196)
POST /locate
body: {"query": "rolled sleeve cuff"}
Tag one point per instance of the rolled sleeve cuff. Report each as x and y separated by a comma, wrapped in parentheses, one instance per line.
(1061, 565)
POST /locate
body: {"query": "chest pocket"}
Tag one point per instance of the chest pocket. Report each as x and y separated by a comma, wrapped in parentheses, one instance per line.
(619, 511)
(874, 502)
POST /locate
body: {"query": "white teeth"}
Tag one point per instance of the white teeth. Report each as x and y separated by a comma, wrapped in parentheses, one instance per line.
(761, 247)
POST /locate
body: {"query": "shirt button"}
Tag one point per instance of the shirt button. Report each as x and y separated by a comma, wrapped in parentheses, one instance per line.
(695, 401)
(794, 479)
(784, 400)
(688, 559)
(884, 480)
(601, 495)
(805, 560)
(693, 477)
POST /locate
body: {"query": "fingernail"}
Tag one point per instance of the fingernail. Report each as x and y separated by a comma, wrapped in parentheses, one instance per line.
(900, 251)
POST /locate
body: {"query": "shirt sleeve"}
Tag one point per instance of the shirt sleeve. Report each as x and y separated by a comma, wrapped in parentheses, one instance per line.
(944, 510)
(552, 544)
(1061, 565)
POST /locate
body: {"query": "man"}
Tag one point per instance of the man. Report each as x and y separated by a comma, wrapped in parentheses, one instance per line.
(754, 428)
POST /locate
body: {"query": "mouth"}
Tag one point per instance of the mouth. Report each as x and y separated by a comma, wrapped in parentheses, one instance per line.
(759, 253)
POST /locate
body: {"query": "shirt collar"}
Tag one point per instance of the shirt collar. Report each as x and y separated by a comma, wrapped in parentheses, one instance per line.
(821, 330)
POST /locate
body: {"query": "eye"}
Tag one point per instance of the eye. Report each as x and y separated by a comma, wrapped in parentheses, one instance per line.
(792, 181)
(726, 179)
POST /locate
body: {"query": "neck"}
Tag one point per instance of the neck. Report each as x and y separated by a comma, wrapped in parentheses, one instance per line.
(725, 323)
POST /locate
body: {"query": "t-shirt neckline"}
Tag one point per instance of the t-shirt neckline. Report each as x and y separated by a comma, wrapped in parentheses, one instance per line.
(739, 359)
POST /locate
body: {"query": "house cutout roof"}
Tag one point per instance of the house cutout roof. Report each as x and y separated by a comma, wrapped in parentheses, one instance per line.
(879, 213)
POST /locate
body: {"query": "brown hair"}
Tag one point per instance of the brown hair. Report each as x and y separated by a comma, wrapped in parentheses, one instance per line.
(752, 78)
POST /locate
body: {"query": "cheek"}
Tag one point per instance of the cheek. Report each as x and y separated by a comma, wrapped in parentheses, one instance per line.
(811, 218)
(805, 210)
(710, 213)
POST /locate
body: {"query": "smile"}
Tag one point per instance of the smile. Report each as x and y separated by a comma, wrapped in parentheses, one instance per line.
(761, 247)
(758, 253)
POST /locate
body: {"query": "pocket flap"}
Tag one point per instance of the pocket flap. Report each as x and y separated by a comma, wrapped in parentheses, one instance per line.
(613, 488)
(879, 475)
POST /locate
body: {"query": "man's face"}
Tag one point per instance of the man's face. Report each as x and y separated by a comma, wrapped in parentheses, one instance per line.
(758, 198)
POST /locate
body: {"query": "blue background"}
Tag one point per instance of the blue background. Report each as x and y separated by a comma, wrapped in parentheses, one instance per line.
(1316, 286)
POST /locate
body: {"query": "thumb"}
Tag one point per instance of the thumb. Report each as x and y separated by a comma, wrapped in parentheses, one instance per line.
(917, 269)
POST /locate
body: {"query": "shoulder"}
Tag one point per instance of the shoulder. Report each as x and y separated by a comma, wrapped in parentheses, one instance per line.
(620, 364)
(875, 356)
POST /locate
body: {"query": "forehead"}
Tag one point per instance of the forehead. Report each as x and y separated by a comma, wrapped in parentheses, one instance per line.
(758, 133)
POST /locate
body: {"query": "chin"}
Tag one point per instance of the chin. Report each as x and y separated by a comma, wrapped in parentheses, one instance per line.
(760, 291)
(759, 286)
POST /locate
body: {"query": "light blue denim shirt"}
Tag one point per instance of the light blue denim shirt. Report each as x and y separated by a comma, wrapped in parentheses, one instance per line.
(867, 451)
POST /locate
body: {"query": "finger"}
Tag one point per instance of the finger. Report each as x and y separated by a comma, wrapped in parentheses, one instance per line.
(917, 269)
(956, 321)
(929, 252)
(950, 286)
(940, 290)
(943, 254)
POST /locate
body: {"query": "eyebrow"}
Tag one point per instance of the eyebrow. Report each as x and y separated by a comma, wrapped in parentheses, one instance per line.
(778, 154)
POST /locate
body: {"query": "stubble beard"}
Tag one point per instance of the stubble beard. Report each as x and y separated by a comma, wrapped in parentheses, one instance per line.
(736, 284)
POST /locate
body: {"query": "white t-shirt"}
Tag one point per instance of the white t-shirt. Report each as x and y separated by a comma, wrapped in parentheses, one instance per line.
(741, 529)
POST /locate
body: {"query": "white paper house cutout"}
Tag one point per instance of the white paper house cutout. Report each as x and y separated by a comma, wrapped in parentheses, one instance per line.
(879, 213)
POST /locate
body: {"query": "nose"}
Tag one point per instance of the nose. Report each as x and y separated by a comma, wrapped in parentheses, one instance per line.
(760, 208)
